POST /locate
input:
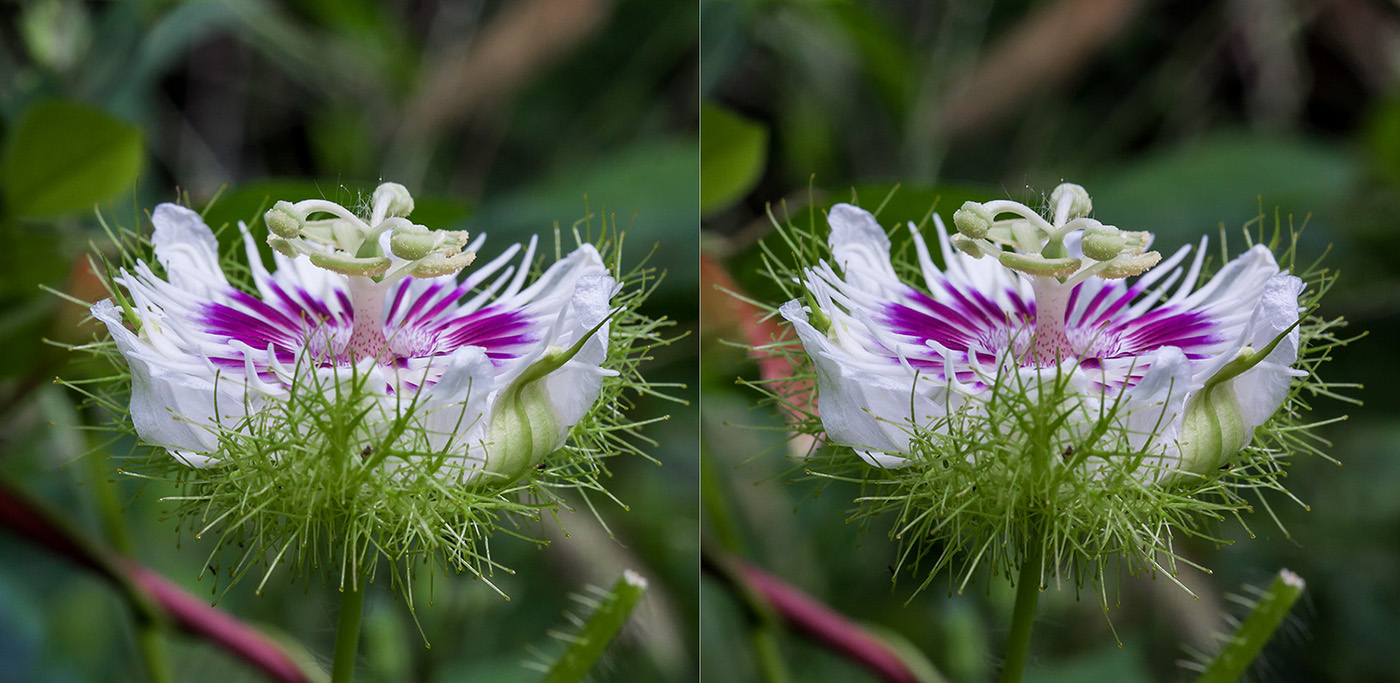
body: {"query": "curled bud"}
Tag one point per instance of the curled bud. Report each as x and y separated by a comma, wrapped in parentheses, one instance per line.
(399, 201)
(524, 427)
(972, 220)
(1080, 204)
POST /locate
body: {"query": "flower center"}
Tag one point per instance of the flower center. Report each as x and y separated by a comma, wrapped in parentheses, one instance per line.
(344, 243)
(1051, 342)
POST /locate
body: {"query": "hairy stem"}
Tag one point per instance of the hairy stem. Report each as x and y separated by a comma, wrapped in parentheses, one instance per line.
(1234, 660)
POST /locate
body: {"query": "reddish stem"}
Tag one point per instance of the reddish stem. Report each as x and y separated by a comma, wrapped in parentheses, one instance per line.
(31, 522)
(821, 623)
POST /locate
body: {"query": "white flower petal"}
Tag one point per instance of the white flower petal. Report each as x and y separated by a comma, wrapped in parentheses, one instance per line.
(186, 248)
(159, 390)
(1262, 389)
(860, 407)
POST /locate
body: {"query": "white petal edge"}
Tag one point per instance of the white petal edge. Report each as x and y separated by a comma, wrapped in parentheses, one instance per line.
(188, 251)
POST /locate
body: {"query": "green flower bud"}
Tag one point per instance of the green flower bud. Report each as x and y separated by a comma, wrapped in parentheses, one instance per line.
(1212, 429)
(283, 220)
(524, 427)
(972, 220)
(1103, 242)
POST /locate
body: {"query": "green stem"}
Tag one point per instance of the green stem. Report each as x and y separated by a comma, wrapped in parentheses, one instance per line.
(1256, 630)
(347, 632)
(1018, 644)
(150, 636)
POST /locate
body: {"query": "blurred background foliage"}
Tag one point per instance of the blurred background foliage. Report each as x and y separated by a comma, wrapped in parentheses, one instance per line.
(1179, 118)
(504, 117)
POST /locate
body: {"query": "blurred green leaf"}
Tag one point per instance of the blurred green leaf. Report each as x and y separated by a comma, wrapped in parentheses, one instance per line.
(649, 186)
(733, 151)
(1184, 193)
(65, 157)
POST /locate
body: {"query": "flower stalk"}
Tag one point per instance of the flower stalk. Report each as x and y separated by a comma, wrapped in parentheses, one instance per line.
(347, 631)
(1028, 588)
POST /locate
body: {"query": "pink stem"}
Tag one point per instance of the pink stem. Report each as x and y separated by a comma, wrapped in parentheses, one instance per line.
(823, 624)
(31, 522)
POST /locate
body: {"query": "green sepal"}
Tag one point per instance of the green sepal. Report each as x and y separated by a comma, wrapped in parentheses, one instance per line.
(523, 426)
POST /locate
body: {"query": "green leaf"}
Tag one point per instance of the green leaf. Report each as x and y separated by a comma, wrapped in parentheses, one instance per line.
(733, 152)
(66, 157)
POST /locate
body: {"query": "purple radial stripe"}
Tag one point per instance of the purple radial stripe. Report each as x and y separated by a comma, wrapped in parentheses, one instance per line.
(422, 299)
(290, 305)
(951, 316)
(491, 328)
(995, 311)
(1026, 309)
(1161, 328)
(986, 309)
(448, 300)
(1099, 297)
(226, 321)
(1073, 298)
(259, 307)
(347, 310)
(398, 298)
(970, 310)
(1118, 304)
(315, 305)
(927, 327)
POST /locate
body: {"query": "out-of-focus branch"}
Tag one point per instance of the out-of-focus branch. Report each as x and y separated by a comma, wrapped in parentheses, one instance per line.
(806, 615)
(1048, 47)
(152, 595)
(476, 74)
